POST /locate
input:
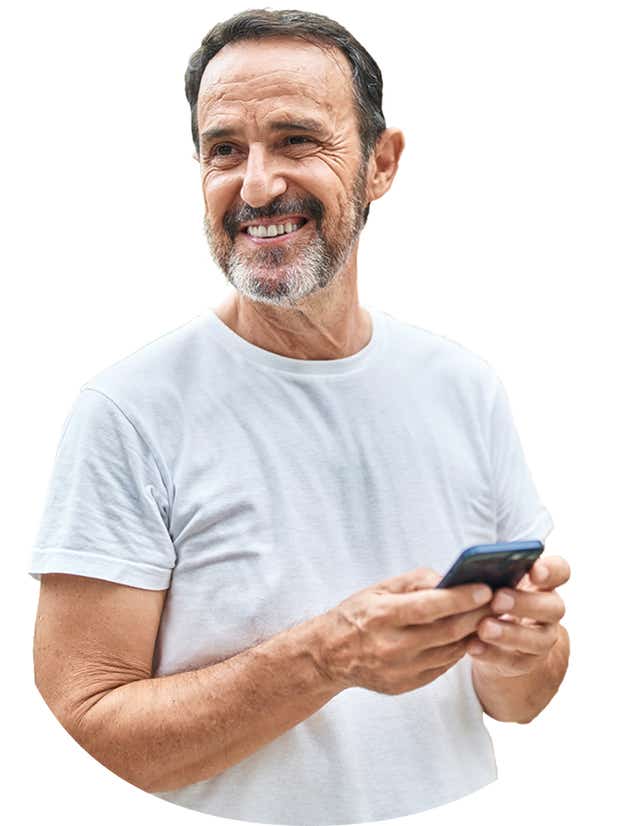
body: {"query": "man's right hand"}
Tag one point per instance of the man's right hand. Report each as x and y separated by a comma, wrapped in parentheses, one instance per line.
(401, 633)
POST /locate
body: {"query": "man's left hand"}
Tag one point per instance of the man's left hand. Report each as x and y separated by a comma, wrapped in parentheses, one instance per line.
(530, 630)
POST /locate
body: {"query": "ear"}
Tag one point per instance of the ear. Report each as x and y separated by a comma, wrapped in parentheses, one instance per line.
(384, 162)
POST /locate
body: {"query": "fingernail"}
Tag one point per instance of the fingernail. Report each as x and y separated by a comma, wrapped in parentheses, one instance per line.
(543, 572)
(482, 594)
(503, 602)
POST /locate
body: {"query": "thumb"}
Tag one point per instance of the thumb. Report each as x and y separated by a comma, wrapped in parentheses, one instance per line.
(415, 580)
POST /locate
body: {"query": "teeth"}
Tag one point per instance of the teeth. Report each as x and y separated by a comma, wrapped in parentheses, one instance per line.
(263, 231)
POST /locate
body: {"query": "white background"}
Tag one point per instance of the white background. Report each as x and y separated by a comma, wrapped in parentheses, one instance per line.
(500, 232)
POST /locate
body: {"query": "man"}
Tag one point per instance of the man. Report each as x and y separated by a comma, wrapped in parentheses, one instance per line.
(247, 517)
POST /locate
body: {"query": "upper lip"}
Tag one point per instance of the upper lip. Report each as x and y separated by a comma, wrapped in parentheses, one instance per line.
(276, 219)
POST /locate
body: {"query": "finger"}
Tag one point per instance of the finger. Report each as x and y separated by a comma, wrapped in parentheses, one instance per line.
(549, 572)
(517, 620)
(528, 639)
(507, 663)
(440, 655)
(448, 630)
(542, 606)
(410, 581)
(426, 606)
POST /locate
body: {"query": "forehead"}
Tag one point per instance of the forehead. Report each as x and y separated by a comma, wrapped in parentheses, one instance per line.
(254, 77)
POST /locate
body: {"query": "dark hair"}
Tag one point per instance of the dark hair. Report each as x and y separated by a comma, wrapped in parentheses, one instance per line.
(254, 24)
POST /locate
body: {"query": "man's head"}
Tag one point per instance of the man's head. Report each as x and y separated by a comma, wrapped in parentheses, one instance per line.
(288, 128)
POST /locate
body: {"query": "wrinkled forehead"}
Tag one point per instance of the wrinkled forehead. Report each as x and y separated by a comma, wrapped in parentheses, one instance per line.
(276, 71)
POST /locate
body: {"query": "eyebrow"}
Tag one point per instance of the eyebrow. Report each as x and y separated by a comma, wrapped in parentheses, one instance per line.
(301, 125)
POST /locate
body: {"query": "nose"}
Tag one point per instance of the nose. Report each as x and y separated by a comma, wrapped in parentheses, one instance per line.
(262, 181)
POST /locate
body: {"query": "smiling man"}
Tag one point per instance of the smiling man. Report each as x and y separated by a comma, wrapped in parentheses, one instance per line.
(287, 182)
(247, 517)
(283, 175)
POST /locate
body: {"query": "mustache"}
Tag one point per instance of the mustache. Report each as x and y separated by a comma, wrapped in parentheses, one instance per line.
(309, 206)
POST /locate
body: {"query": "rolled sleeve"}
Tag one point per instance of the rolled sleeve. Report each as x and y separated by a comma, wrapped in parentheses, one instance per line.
(107, 507)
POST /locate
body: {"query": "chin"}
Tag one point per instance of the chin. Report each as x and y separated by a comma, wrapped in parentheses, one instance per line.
(284, 288)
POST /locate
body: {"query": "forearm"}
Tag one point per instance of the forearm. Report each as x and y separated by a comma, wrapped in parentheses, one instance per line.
(167, 732)
(520, 699)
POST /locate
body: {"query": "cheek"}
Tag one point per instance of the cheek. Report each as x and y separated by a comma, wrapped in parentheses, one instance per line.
(320, 182)
(218, 195)
(333, 184)
(337, 204)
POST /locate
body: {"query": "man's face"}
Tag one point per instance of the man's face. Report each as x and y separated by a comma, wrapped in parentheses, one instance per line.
(280, 147)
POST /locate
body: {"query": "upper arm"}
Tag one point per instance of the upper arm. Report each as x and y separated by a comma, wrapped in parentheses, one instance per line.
(520, 513)
(91, 636)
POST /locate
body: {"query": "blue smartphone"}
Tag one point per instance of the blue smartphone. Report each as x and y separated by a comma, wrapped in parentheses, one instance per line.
(501, 565)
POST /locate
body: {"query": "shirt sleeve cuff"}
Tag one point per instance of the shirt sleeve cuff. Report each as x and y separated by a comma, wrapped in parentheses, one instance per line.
(99, 566)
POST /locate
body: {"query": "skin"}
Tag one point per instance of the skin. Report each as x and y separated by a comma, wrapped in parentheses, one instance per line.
(244, 86)
(531, 630)
(94, 639)
(301, 300)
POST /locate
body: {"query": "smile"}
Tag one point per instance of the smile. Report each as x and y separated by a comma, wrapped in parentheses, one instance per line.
(273, 232)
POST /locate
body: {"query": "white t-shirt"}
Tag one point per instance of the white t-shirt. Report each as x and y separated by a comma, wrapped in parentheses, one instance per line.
(263, 490)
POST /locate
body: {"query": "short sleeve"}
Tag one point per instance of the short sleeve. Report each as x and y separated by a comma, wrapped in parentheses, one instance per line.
(519, 512)
(106, 511)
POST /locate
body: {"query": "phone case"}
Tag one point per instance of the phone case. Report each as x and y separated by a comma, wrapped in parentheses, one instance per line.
(499, 565)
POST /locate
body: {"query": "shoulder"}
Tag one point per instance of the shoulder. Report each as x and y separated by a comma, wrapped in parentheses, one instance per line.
(153, 377)
(150, 386)
(437, 358)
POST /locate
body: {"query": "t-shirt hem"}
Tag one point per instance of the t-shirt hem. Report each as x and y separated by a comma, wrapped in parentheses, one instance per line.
(453, 797)
(276, 820)
(98, 566)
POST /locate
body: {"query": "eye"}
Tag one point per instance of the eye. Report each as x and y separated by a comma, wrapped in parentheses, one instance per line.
(222, 146)
(224, 151)
(300, 138)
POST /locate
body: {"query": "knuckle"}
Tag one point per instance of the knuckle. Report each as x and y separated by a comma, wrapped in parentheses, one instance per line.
(369, 612)
(561, 567)
(561, 608)
(425, 574)
(378, 610)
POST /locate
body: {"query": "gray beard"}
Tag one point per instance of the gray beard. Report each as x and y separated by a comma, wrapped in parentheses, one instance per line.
(264, 279)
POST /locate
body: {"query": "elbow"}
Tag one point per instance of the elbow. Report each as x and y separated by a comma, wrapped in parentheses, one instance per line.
(170, 783)
(158, 787)
(118, 759)
(510, 718)
(91, 728)
(112, 750)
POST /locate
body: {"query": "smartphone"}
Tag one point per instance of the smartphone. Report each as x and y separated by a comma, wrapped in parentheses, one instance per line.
(501, 565)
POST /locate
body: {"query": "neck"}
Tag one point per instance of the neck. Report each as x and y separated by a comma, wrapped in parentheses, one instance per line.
(329, 324)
